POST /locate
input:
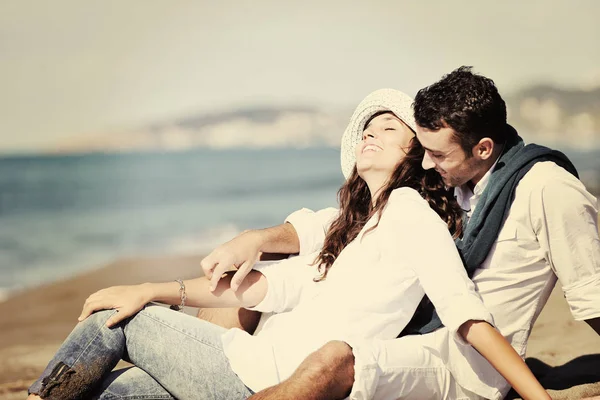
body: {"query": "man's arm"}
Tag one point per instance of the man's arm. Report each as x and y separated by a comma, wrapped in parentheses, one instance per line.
(564, 216)
(264, 244)
(244, 250)
(304, 231)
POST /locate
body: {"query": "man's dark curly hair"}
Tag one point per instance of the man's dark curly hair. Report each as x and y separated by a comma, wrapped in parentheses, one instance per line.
(466, 102)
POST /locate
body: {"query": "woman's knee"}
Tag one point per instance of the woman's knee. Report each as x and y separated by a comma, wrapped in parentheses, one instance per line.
(98, 318)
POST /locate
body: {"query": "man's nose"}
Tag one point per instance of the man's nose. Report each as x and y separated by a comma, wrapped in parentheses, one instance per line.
(427, 162)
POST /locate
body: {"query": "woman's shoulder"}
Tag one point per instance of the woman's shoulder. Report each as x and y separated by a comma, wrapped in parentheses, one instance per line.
(407, 203)
(407, 195)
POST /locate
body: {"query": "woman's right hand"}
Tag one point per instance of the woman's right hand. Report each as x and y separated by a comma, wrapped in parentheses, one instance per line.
(126, 300)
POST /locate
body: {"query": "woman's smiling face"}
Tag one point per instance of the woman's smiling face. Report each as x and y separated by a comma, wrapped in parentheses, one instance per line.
(386, 140)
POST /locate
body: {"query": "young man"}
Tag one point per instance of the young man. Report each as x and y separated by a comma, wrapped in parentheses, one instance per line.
(529, 222)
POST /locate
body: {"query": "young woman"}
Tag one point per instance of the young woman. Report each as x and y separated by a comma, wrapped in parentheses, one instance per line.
(389, 220)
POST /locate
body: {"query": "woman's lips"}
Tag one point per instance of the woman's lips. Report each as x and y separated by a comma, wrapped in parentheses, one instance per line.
(371, 147)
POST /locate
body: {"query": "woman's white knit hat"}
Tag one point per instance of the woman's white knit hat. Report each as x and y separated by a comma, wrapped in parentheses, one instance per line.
(380, 100)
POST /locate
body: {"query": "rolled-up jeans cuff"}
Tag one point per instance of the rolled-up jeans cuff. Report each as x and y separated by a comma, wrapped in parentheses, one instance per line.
(35, 388)
(60, 367)
(366, 371)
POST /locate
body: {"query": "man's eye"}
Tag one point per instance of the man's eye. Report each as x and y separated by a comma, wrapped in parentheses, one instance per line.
(390, 129)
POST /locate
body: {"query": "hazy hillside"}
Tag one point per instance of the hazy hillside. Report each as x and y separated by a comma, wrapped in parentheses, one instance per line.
(248, 128)
(544, 114)
(557, 116)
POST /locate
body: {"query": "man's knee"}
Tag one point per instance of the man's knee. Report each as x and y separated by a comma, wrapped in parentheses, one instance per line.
(337, 354)
(328, 373)
(334, 360)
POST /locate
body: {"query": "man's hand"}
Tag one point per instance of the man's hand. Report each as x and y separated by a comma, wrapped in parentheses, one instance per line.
(127, 300)
(241, 253)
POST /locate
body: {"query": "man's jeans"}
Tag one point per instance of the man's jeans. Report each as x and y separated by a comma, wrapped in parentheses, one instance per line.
(175, 356)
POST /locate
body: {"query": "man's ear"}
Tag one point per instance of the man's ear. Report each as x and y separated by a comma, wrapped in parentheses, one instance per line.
(484, 149)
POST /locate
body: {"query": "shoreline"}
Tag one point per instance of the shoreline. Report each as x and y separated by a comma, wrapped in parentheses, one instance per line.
(35, 321)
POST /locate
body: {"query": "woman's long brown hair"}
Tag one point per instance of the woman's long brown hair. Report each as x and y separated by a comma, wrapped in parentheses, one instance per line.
(355, 204)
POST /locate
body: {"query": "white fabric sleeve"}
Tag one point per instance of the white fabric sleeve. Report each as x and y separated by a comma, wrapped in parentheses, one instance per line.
(564, 216)
(311, 227)
(288, 282)
(420, 238)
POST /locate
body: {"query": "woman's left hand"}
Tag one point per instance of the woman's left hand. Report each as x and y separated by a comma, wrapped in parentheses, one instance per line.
(127, 300)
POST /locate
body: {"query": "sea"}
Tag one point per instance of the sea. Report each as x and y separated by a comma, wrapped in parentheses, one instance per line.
(62, 215)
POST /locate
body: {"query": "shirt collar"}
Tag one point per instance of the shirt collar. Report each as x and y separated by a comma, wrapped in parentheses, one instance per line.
(464, 193)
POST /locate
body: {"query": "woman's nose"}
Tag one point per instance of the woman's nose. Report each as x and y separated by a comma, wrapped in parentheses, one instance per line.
(367, 134)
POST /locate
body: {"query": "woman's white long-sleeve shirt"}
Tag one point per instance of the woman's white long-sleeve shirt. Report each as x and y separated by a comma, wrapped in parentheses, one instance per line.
(410, 253)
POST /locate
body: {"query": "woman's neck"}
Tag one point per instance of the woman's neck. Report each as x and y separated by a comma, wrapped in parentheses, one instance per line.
(376, 183)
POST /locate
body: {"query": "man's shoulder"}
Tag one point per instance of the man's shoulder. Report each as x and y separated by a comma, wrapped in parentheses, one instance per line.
(547, 174)
(553, 186)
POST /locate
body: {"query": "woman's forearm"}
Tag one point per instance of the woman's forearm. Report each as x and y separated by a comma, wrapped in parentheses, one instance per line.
(494, 347)
(251, 292)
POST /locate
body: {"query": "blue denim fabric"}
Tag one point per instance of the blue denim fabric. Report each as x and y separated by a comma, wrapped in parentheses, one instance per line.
(176, 355)
(130, 383)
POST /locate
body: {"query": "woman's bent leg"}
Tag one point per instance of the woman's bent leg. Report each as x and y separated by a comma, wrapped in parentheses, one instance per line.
(183, 354)
(90, 352)
(130, 383)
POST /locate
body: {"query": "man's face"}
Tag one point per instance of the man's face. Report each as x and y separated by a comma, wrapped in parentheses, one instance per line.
(443, 153)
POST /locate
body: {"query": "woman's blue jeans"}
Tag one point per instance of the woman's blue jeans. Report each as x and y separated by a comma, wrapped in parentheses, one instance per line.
(175, 356)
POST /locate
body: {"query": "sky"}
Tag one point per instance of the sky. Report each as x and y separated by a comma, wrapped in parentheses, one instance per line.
(72, 67)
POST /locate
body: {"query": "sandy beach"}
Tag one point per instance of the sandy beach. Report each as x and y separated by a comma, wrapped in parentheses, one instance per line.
(564, 353)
